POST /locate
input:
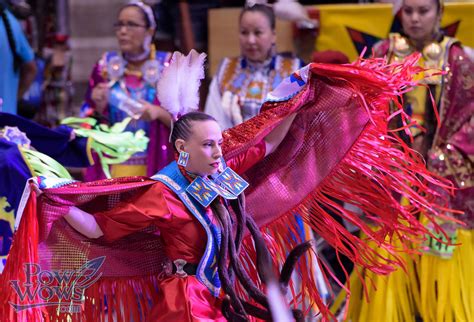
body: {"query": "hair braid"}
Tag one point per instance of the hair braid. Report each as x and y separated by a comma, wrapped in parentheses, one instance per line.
(221, 214)
(233, 307)
(182, 128)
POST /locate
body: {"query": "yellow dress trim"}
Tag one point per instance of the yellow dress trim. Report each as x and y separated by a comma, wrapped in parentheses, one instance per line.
(228, 74)
(125, 170)
(89, 150)
(388, 298)
(447, 285)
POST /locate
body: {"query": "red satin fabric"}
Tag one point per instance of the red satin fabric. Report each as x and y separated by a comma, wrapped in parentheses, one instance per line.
(180, 299)
(183, 237)
(185, 299)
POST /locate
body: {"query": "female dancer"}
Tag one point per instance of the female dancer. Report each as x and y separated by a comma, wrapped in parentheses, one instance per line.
(241, 83)
(123, 84)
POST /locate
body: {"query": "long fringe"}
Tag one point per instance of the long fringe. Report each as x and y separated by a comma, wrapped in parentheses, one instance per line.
(446, 285)
(111, 300)
(389, 297)
(108, 299)
(123, 299)
(27, 252)
(376, 161)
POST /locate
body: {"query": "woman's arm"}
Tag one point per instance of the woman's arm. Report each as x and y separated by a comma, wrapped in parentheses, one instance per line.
(97, 94)
(245, 160)
(145, 208)
(274, 138)
(83, 222)
(154, 112)
(241, 163)
(27, 76)
(100, 97)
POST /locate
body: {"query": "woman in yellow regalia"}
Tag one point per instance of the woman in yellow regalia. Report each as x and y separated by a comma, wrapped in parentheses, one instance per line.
(436, 285)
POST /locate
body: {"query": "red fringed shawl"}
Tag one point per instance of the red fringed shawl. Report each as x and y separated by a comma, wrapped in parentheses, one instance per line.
(338, 148)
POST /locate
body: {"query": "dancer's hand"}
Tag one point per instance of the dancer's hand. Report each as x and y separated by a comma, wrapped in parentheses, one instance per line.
(274, 138)
(34, 186)
(100, 96)
(153, 112)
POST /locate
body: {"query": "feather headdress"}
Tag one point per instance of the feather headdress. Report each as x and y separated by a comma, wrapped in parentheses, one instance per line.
(290, 10)
(178, 87)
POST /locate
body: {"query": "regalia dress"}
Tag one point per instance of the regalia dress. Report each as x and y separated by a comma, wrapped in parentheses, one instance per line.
(240, 87)
(188, 233)
(436, 285)
(111, 68)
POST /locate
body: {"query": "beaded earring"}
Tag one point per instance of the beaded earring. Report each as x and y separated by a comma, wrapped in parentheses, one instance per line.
(183, 158)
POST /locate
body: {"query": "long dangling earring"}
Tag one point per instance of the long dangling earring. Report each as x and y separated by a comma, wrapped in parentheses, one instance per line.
(183, 158)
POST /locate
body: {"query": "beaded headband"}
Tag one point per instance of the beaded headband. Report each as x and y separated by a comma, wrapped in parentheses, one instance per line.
(147, 10)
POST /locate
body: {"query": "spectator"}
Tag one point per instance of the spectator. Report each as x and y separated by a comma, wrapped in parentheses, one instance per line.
(17, 68)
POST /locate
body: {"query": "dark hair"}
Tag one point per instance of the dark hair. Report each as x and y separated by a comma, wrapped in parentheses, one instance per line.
(266, 10)
(231, 268)
(182, 127)
(438, 6)
(144, 15)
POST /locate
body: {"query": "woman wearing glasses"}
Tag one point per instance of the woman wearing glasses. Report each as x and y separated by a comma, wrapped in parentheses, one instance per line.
(123, 84)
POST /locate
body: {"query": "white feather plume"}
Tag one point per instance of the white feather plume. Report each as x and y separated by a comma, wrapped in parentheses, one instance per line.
(189, 88)
(290, 10)
(167, 89)
(178, 87)
(250, 3)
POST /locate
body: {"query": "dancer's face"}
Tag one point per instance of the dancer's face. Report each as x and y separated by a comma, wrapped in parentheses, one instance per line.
(204, 147)
(256, 36)
(420, 19)
(131, 30)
